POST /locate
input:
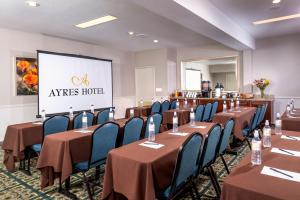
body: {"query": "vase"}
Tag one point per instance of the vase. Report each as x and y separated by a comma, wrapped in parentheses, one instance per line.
(262, 93)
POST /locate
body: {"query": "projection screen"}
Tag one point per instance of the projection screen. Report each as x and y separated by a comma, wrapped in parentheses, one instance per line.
(67, 80)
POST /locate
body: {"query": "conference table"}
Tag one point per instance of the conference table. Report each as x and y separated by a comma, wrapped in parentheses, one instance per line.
(247, 182)
(292, 122)
(242, 117)
(139, 111)
(61, 150)
(20, 136)
(135, 171)
(183, 115)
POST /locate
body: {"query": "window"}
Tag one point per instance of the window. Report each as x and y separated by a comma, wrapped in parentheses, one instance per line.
(192, 79)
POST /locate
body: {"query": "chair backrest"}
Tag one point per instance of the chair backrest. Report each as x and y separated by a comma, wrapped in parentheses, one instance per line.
(77, 122)
(262, 114)
(207, 111)
(157, 119)
(165, 106)
(132, 130)
(103, 140)
(210, 146)
(254, 121)
(225, 136)
(199, 113)
(213, 110)
(103, 116)
(187, 161)
(173, 104)
(155, 108)
(55, 124)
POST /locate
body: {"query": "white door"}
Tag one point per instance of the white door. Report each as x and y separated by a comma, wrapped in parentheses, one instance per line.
(144, 83)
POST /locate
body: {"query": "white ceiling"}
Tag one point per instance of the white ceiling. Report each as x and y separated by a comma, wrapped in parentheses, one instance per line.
(244, 12)
(58, 17)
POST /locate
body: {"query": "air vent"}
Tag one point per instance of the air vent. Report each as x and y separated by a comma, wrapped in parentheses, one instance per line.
(141, 35)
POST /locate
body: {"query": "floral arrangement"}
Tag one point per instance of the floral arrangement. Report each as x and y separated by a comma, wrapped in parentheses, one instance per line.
(262, 84)
(26, 76)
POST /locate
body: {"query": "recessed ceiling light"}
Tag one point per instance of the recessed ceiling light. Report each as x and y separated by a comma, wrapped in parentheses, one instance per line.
(276, 1)
(32, 3)
(155, 41)
(130, 32)
(97, 21)
(277, 19)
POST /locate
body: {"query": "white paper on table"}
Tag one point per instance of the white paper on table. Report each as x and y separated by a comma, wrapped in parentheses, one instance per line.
(37, 123)
(201, 127)
(267, 171)
(178, 133)
(152, 145)
(276, 150)
(237, 111)
(83, 131)
(288, 138)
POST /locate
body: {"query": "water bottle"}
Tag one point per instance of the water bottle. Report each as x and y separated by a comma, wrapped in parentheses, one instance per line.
(131, 111)
(161, 99)
(92, 108)
(256, 149)
(141, 103)
(175, 122)
(43, 113)
(224, 107)
(231, 105)
(111, 115)
(84, 121)
(278, 130)
(288, 110)
(192, 117)
(177, 104)
(151, 136)
(185, 103)
(292, 105)
(267, 134)
(237, 103)
(194, 102)
(71, 114)
(152, 100)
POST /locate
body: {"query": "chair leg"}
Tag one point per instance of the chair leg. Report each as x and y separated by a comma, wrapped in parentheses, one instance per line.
(213, 181)
(192, 193)
(225, 164)
(196, 190)
(87, 186)
(216, 179)
(97, 175)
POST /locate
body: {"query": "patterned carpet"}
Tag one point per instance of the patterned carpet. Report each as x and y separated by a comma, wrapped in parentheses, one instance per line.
(18, 185)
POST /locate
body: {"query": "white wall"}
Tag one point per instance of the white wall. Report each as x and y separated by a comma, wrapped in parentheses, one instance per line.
(16, 109)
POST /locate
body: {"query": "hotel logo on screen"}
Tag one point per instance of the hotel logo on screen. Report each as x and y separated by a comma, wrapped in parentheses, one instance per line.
(82, 83)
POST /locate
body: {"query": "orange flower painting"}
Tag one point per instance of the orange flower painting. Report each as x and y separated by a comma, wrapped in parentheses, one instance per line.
(26, 76)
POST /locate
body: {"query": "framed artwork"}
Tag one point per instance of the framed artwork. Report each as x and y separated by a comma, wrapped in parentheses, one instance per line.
(26, 76)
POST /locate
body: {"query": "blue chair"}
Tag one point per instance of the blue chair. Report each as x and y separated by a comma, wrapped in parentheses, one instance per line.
(199, 113)
(103, 116)
(209, 153)
(213, 110)
(224, 141)
(77, 122)
(103, 140)
(186, 164)
(155, 108)
(165, 106)
(262, 115)
(52, 125)
(248, 130)
(173, 104)
(132, 130)
(157, 119)
(207, 111)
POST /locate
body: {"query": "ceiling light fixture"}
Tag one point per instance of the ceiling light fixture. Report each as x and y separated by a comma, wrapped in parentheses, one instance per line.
(97, 21)
(32, 3)
(130, 32)
(276, 1)
(277, 19)
(155, 41)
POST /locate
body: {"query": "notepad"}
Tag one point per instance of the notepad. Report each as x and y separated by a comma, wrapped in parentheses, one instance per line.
(178, 133)
(280, 173)
(286, 152)
(37, 123)
(152, 145)
(237, 111)
(201, 127)
(290, 138)
(83, 131)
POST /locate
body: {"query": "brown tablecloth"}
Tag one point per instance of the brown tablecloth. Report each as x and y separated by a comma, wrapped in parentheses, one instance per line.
(291, 123)
(183, 115)
(241, 117)
(247, 183)
(60, 150)
(136, 171)
(139, 111)
(17, 138)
